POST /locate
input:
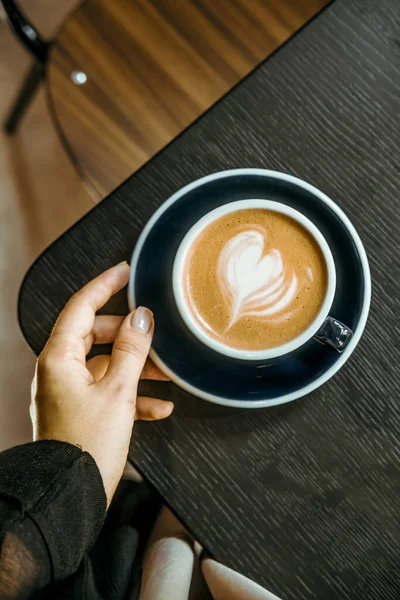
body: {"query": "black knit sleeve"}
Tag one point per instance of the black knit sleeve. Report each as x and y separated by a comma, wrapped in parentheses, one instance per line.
(52, 507)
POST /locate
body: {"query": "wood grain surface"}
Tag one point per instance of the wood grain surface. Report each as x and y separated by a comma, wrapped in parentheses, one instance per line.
(303, 498)
(153, 66)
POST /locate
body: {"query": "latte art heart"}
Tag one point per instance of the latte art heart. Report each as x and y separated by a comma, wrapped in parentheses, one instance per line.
(253, 283)
(254, 279)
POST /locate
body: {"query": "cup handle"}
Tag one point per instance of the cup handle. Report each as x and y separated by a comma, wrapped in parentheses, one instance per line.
(335, 334)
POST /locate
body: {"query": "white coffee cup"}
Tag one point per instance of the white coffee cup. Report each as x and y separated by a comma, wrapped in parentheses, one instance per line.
(324, 328)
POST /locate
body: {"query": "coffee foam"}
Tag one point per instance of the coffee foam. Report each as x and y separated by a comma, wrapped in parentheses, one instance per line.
(252, 283)
(255, 279)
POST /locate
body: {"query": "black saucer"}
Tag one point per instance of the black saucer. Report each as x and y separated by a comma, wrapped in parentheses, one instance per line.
(194, 366)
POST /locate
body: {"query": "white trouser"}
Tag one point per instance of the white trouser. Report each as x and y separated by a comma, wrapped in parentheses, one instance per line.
(171, 569)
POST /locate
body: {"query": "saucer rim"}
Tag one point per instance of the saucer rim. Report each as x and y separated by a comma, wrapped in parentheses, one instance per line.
(283, 399)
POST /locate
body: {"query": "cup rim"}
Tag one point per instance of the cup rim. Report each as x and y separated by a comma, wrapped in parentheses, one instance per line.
(320, 379)
(231, 351)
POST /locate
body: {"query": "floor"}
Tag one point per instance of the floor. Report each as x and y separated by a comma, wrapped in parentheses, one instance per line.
(40, 197)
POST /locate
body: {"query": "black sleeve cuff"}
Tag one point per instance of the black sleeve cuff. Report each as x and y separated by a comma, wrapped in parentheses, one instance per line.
(60, 488)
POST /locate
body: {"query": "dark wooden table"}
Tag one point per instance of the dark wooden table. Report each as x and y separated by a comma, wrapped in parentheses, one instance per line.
(304, 498)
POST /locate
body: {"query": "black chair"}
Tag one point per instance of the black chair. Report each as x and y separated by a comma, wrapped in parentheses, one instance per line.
(39, 48)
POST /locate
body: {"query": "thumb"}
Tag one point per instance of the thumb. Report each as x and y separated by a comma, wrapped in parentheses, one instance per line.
(131, 348)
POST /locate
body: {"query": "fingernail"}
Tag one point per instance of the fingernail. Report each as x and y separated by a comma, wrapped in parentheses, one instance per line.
(169, 407)
(124, 262)
(142, 319)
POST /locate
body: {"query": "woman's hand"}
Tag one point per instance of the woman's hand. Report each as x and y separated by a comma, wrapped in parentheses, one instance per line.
(93, 404)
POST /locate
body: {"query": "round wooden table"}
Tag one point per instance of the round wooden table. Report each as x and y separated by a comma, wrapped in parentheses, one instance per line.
(126, 77)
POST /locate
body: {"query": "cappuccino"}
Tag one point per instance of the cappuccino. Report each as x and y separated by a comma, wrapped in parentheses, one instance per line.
(254, 279)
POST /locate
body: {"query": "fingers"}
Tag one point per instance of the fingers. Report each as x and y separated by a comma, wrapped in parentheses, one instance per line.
(98, 365)
(147, 409)
(152, 409)
(130, 350)
(105, 328)
(77, 318)
(150, 371)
